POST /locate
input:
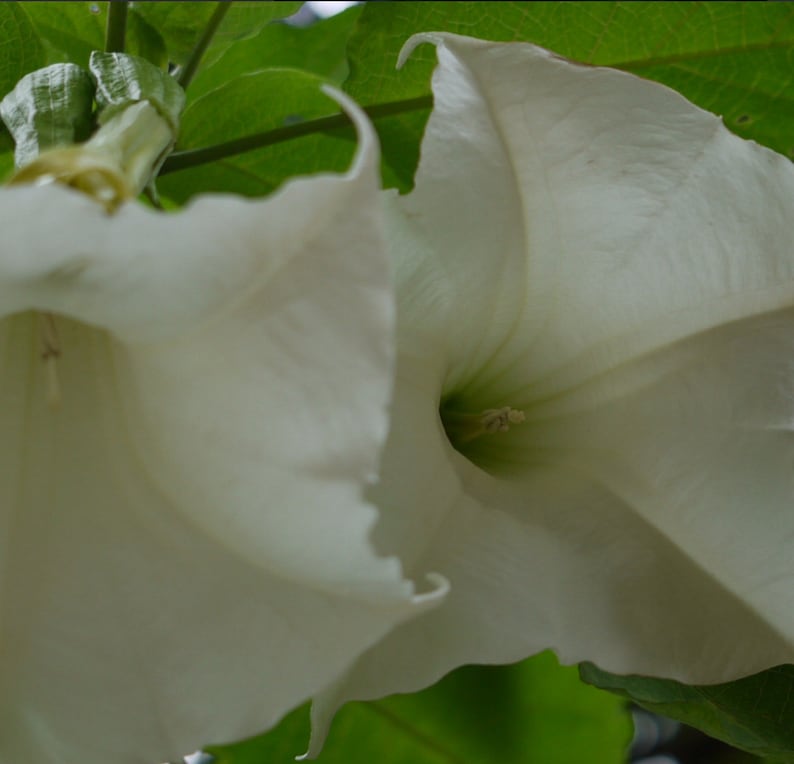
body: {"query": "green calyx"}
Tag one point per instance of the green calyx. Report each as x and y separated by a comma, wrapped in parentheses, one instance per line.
(123, 80)
(49, 107)
(51, 111)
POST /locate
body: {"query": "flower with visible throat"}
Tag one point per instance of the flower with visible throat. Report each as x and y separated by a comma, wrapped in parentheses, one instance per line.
(192, 407)
(592, 431)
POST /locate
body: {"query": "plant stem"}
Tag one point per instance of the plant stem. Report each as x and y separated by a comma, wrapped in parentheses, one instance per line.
(116, 29)
(189, 69)
(183, 160)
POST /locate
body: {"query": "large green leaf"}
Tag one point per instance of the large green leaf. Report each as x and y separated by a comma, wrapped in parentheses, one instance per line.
(21, 50)
(755, 714)
(6, 158)
(535, 711)
(257, 103)
(735, 59)
(181, 23)
(319, 49)
(72, 30)
(155, 30)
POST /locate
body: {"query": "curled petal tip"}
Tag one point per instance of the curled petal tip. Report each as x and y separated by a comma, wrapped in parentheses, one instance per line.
(368, 153)
(413, 42)
(433, 597)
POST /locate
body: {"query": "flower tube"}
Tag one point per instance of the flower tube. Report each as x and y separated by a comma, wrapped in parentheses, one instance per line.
(592, 425)
(185, 542)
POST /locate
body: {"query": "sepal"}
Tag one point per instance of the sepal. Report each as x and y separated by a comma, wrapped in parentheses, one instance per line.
(123, 80)
(49, 107)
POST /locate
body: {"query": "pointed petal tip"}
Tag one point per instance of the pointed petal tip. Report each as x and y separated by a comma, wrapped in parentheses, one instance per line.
(413, 42)
(326, 703)
(440, 588)
(368, 150)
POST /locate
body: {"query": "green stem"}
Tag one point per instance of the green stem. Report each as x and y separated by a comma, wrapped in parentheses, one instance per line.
(189, 69)
(183, 160)
(116, 30)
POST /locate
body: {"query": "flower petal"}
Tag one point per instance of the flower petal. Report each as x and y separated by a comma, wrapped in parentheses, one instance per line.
(650, 533)
(594, 250)
(186, 550)
(595, 204)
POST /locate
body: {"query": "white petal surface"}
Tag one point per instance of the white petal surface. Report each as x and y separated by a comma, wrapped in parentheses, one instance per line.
(549, 191)
(595, 251)
(185, 544)
(671, 558)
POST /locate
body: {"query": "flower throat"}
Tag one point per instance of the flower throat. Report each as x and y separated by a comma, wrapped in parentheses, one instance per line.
(463, 428)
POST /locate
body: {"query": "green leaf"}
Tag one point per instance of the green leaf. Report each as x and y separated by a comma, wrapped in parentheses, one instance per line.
(734, 59)
(535, 711)
(145, 41)
(21, 50)
(755, 714)
(72, 31)
(6, 162)
(319, 49)
(257, 103)
(155, 30)
(181, 24)
(6, 145)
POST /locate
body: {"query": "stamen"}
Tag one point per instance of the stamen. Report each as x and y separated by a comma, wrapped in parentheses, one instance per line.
(50, 352)
(499, 420)
(464, 428)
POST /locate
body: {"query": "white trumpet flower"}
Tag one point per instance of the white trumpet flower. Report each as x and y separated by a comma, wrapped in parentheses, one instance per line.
(593, 426)
(191, 407)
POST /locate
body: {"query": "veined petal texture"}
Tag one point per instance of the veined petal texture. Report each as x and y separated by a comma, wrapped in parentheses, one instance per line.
(184, 540)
